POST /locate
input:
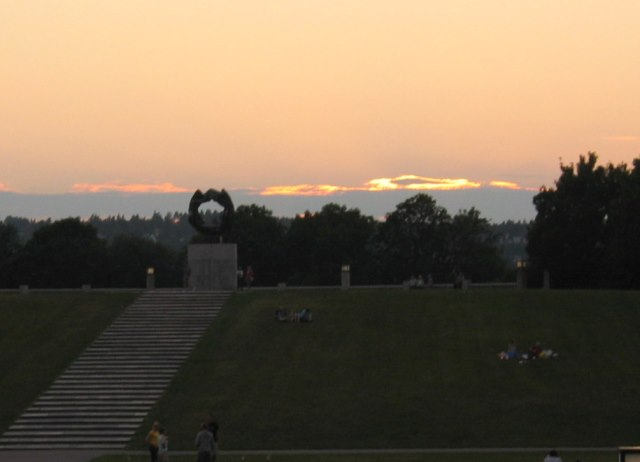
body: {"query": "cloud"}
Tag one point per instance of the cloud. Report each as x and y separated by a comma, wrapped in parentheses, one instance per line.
(504, 184)
(127, 188)
(304, 190)
(402, 182)
(419, 183)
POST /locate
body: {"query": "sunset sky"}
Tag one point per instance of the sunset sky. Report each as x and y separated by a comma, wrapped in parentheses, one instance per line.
(312, 96)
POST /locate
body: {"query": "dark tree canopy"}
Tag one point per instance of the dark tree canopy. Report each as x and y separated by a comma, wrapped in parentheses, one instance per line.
(585, 231)
(260, 239)
(473, 247)
(320, 243)
(131, 256)
(412, 239)
(9, 252)
(66, 253)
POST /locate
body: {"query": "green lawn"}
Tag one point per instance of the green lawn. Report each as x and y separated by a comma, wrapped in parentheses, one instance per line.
(412, 369)
(41, 334)
(607, 456)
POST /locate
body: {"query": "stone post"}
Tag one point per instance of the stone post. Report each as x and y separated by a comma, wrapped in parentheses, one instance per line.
(151, 278)
(346, 277)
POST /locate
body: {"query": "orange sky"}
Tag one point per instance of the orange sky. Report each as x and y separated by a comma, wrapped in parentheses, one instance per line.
(310, 93)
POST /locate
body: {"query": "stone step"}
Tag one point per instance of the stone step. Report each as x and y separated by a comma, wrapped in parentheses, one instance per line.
(56, 446)
(61, 408)
(75, 395)
(74, 413)
(63, 439)
(39, 426)
(141, 360)
(92, 420)
(158, 329)
(93, 397)
(118, 375)
(97, 381)
(94, 402)
(66, 432)
(130, 341)
(140, 368)
(88, 387)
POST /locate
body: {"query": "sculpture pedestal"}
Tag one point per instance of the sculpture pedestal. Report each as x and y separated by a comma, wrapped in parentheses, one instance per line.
(213, 266)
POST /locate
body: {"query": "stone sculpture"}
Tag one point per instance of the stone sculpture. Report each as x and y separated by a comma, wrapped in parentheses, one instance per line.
(219, 229)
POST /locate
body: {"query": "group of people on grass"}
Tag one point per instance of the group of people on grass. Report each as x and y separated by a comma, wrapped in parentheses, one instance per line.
(535, 352)
(206, 442)
(303, 315)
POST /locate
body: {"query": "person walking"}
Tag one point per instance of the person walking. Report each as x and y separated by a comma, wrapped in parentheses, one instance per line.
(248, 277)
(153, 440)
(205, 445)
(163, 446)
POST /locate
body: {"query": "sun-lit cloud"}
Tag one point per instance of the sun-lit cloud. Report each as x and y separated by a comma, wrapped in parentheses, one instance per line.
(504, 184)
(510, 185)
(407, 182)
(127, 188)
(402, 182)
(622, 138)
(304, 190)
(415, 182)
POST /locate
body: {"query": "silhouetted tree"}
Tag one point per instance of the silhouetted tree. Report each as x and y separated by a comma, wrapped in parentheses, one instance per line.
(131, 256)
(622, 227)
(472, 248)
(65, 254)
(412, 240)
(9, 251)
(260, 239)
(318, 244)
(583, 227)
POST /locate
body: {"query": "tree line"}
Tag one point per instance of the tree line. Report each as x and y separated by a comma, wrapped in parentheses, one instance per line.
(418, 238)
(585, 235)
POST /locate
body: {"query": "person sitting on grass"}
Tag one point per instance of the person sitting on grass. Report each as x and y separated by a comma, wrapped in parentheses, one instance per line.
(512, 350)
(511, 353)
(282, 315)
(305, 316)
(534, 351)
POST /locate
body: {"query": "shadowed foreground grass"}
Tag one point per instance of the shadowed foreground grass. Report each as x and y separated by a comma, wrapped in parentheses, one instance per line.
(41, 334)
(412, 369)
(610, 456)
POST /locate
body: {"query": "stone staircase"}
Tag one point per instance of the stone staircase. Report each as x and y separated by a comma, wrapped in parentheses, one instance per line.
(103, 397)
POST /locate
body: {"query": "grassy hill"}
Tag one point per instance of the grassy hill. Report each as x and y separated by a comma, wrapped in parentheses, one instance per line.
(40, 334)
(410, 369)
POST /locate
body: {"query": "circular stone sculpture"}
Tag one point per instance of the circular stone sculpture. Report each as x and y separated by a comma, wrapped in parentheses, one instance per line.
(220, 229)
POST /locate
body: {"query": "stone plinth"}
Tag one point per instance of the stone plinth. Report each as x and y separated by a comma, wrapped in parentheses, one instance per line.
(213, 266)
